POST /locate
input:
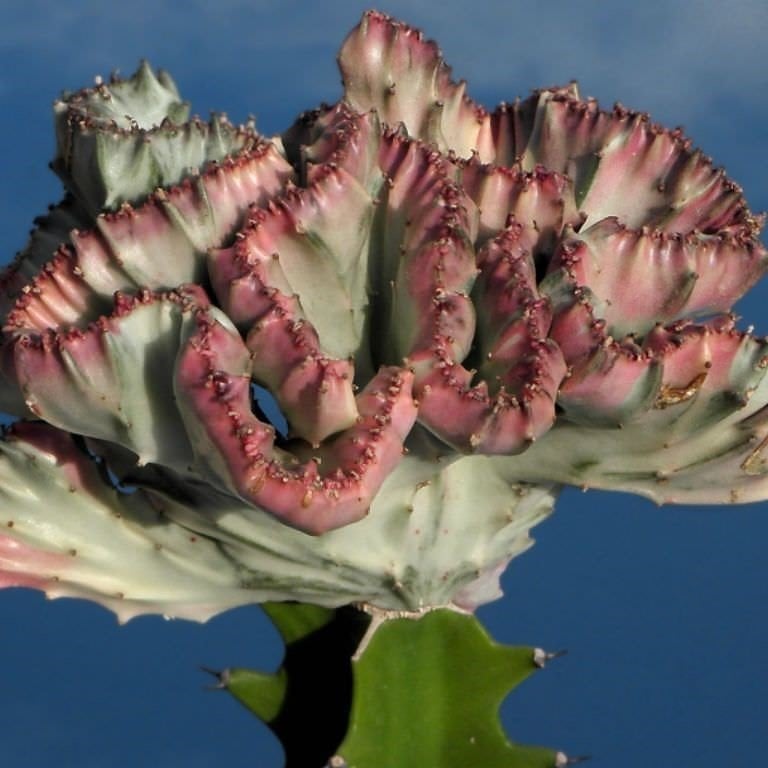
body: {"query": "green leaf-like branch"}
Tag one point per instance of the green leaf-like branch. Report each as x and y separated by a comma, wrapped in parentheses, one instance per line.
(401, 691)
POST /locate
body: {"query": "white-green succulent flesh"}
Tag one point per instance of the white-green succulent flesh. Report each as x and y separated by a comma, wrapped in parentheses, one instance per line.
(68, 532)
(449, 313)
(179, 547)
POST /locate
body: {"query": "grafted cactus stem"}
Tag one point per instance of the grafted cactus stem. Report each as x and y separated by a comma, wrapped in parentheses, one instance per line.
(354, 363)
(390, 689)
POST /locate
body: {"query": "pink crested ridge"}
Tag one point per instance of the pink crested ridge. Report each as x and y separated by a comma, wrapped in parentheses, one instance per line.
(417, 174)
(304, 495)
(520, 371)
(647, 174)
(47, 359)
(468, 417)
(433, 228)
(83, 379)
(575, 328)
(448, 311)
(121, 252)
(614, 285)
(252, 281)
(726, 343)
(245, 274)
(617, 382)
(237, 182)
(613, 384)
(342, 139)
(507, 274)
(646, 276)
(609, 380)
(540, 196)
(702, 359)
(687, 357)
(337, 167)
(57, 296)
(314, 391)
(428, 258)
(388, 66)
(49, 233)
(624, 165)
(253, 278)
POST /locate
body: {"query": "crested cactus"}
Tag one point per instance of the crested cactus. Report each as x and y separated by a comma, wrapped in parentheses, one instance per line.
(355, 362)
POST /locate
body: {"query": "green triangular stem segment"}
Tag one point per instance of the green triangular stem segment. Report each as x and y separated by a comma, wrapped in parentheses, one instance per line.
(398, 692)
(427, 693)
(307, 701)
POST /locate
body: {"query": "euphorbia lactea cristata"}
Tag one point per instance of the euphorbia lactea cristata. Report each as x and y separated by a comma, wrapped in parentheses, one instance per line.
(354, 363)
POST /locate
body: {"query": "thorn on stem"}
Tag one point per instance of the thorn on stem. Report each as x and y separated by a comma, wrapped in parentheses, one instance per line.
(541, 657)
(561, 759)
(222, 678)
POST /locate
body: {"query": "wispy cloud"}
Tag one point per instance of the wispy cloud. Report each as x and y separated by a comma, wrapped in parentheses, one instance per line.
(689, 62)
(673, 57)
(670, 56)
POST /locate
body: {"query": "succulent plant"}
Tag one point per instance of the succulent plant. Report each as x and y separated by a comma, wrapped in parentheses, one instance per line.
(355, 362)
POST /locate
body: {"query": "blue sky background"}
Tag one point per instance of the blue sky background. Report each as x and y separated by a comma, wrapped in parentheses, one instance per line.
(663, 611)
